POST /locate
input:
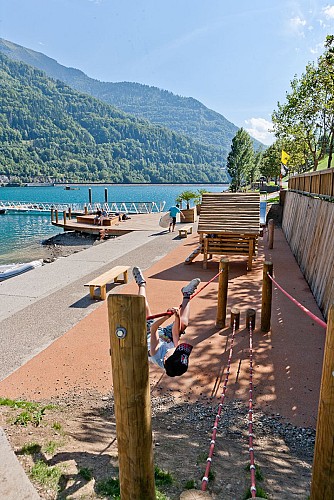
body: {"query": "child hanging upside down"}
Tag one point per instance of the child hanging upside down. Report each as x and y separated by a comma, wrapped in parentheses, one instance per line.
(164, 346)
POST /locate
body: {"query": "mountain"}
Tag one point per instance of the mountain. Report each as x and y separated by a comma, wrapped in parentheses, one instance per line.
(181, 114)
(51, 132)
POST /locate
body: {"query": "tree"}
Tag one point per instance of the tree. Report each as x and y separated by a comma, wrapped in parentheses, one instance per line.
(186, 196)
(271, 161)
(307, 116)
(240, 160)
(326, 69)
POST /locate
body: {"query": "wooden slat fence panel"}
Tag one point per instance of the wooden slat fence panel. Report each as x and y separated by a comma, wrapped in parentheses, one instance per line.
(319, 183)
(308, 225)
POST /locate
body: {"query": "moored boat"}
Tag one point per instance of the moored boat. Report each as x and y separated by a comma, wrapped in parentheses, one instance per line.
(10, 270)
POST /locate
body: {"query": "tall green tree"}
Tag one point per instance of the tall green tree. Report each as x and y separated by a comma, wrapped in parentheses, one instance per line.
(306, 118)
(326, 70)
(240, 160)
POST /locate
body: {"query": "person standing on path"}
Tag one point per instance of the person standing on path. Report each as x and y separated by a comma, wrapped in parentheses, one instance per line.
(173, 211)
(164, 346)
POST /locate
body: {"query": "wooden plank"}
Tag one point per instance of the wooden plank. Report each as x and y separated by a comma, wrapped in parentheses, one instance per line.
(308, 225)
(108, 276)
(230, 211)
(105, 278)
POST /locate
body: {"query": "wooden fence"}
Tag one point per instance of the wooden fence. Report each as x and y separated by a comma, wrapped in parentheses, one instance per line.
(308, 225)
(319, 183)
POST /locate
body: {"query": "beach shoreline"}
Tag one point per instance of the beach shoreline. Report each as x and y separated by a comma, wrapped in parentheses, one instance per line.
(66, 244)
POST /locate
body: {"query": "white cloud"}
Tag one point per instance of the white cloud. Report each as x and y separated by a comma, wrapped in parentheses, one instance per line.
(261, 129)
(297, 25)
(329, 11)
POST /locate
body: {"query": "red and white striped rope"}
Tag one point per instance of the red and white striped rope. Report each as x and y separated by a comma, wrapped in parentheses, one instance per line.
(250, 415)
(169, 313)
(205, 478)
(303, 308)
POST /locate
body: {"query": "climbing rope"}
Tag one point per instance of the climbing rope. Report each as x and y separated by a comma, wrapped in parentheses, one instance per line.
(303, 308)
(169, 313)
(205, 479)
(250, 414)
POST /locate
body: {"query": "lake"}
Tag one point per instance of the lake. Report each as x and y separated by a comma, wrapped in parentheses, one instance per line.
(21, 234)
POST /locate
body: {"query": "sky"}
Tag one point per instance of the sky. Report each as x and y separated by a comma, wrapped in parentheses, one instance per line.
(237, 57)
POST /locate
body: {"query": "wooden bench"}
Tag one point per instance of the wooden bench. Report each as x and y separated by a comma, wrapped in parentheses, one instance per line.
(184, 231)
(105, 278)
(229, 244)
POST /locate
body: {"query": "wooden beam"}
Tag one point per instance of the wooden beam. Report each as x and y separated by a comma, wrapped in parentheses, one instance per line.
(129, 359)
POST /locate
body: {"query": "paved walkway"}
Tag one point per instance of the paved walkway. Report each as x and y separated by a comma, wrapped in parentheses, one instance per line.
(56, 320)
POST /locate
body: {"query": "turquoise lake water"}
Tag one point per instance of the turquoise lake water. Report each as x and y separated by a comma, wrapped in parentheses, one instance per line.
(21, 234)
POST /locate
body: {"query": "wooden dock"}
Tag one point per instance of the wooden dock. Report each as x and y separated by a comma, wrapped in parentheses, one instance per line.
(137, 222)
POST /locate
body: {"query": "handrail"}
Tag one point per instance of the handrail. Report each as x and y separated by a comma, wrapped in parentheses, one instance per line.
(139, 207)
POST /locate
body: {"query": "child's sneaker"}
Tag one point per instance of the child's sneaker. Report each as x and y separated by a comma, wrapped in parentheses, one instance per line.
(138, 276)
(189, 289)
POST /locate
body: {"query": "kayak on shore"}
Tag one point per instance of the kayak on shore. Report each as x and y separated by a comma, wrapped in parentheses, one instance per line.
(10, 270)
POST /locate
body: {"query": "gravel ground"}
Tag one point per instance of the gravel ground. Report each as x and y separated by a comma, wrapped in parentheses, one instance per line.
(85, 439)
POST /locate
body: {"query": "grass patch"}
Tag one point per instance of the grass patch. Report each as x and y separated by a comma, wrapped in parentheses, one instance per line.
(273, 200)
(160, 496)
(27, 405)
(190, 485)
(30, 416)
(50, 447)
(30, 449)
(45, 475)
(57, 426)
(32, 412)
(201, 458)
(109, 487)
(161, 477)
(258, 472)
(211, 475)
(260, 493)
(86, 473)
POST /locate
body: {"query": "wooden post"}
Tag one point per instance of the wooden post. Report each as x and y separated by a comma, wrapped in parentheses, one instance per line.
(52, 214)
(205, 255)
(250, 318)
(90, 195)
(56, 216)
(235, 316)
(222, 293)
(64, 216)
(70, 212)
(271, 233)
(129, 359)
(322, 486)
(106, 195)
(266, 296)
(86, 210)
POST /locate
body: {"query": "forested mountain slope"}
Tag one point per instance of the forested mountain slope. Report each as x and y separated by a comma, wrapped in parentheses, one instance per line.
(49, 131)
(182, 114)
